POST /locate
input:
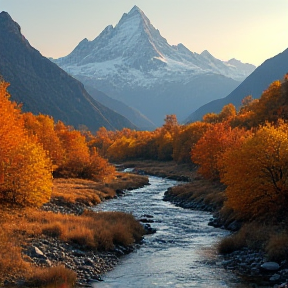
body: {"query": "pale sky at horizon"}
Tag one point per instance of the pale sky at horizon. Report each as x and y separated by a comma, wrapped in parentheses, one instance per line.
(248, 30)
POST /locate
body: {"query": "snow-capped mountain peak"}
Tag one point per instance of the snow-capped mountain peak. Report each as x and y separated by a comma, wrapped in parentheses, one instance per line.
(134, 55)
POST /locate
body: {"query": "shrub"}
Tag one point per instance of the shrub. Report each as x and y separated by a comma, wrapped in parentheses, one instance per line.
(52, 229)
(252, 235)
(55, 277)
(277, 247)
(10, 257)
(231, 243)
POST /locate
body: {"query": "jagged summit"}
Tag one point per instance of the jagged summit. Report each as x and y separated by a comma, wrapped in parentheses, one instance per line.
(121, 42)
(135, 43)
(134, 55)
(42, 87)
(135, 8)
(4, 16)
(7, 22)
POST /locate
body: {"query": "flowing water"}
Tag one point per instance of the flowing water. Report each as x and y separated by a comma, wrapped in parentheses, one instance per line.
(180, 254)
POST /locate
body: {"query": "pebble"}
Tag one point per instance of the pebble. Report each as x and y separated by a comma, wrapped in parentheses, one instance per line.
(89, 265)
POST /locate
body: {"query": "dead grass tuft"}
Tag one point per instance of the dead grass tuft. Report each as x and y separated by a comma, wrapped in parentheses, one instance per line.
(55, 277)
(252, 235)
(277, 247)
(230, 244)
(52, 229)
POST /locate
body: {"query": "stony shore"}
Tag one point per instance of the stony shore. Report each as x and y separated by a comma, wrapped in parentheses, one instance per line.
(251, 265)
(88, 264)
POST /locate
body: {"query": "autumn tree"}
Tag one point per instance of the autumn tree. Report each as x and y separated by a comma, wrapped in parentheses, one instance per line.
(25, 171)
(43, 128)
(185, 139)
(76, 152)
(98, 168)
(119, 150)
(227, 113)
(102, 140)
(271, 106)
(166, 136)
(256, 174)
(211, 146)
(27, 175)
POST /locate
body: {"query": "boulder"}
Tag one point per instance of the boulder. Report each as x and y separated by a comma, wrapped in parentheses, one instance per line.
(270, 266)
(35, 252)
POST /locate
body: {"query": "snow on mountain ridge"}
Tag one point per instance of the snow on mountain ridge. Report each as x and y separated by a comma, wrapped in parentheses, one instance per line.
(134, 43)
(133, 63)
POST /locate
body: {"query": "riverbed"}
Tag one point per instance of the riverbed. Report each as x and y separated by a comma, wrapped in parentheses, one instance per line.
(180, 254)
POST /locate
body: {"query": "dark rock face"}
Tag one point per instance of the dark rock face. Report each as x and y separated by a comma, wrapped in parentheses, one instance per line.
(44, 88)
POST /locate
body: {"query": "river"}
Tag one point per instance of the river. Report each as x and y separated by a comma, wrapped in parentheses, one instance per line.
(180, 254)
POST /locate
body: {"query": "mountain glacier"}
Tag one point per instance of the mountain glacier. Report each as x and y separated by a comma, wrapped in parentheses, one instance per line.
(133, 63)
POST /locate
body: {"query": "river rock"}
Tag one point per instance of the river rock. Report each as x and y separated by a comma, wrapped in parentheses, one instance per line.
(274, 278)
(270, 266)
(234, 226)
(149, 229)
(35, 252)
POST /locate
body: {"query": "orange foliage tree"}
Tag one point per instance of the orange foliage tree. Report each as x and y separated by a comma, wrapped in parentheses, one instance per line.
(76, 152)
(98, 168)
(42, 127)
(27, 175)
(102, 140)
(271, 106)
(228, 113)
(211, 146)
(256, 174)
(185, 139)
(25, 172)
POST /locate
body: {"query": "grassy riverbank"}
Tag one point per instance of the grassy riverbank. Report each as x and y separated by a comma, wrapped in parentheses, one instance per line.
(65, 233)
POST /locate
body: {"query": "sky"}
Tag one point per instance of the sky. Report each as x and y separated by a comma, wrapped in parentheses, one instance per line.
(248, 30)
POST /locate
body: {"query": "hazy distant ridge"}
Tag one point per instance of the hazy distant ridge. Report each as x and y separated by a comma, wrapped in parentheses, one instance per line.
(271, 70)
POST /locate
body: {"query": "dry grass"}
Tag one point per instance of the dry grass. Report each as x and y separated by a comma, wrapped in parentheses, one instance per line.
(277, 247)
(200, 190)
(252, 235)
(98, 231)
(91, 192)
(80, 190)
(55, 277)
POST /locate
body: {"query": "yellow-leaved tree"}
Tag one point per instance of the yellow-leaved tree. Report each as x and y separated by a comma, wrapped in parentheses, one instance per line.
(42, 127)
(25, 171)
(27, 175)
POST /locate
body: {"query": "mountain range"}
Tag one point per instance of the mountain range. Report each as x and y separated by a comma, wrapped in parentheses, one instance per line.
(269, 71)
(133, 63)
(42, 87)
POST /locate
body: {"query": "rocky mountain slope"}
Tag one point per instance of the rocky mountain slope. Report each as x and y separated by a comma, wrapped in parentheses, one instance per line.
(42, 87)
(271, 70)
(133, 63)
(133, 115)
